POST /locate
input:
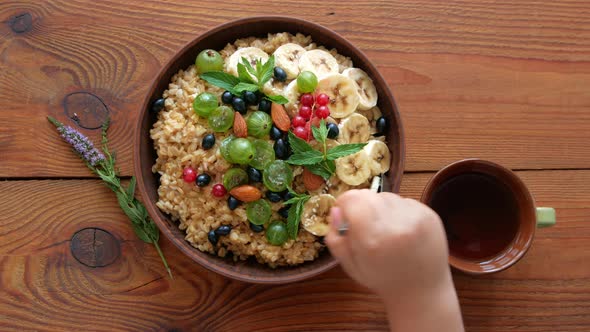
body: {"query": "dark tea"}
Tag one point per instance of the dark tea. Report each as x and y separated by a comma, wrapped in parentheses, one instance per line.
(480, 215)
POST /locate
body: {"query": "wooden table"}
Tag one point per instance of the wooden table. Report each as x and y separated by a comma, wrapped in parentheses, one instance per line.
(505, 80)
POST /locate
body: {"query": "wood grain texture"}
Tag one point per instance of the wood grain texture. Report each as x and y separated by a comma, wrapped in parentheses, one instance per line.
(500, 80)
(45, 288)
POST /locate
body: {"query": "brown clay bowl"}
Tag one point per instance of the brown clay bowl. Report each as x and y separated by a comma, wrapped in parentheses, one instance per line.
(217, 38)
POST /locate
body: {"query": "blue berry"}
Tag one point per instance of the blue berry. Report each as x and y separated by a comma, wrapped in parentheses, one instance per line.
(275, 133)
(273, 196)
(227, 97)
(239, 105)
(333, 130)
(256, 228)
(253, 174)
(280, 149)
(381, 126)
(208, 141)
(212, 237)
(203, 180)
(264, 105)
(223, 230)
(158, 105)
(284, 211)
(232, 202)
(250, 97)
(280, 74)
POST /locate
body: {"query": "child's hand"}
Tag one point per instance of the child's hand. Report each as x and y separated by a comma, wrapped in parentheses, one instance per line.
(396, 247)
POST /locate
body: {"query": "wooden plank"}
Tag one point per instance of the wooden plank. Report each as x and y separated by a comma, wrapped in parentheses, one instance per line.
(45, 288)
(473, 79)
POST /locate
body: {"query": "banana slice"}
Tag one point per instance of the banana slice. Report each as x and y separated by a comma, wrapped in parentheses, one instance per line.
(291, 92)
(316, 214)
(364, 87)
(354, 129)
(250, 53)
(379, 156)
(319, 62)
(342, 92)
(354, 169)
(287, 57)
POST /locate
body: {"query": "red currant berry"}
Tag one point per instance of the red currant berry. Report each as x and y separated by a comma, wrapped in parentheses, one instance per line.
(298, 121)
(189, 175)
(306, 99)
(305, 112)
(322, 99)
(218, 190)
(301, 132)
(322, 112)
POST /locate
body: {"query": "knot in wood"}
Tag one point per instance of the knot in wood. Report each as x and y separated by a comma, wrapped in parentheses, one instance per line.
(94, 247)
(86, 109)
(21, 23)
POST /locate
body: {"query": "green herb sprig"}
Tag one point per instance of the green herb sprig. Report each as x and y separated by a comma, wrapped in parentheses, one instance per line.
(104, 166)
(262, 73)
(295, 211)
(319, 162)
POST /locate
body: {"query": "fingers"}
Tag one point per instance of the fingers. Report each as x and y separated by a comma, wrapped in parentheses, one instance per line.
(365, 214)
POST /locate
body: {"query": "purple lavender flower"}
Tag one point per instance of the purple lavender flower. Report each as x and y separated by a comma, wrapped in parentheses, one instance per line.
(81, 144)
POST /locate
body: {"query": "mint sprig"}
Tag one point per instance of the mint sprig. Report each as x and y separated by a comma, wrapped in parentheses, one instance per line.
(250, 78)
(221, 79)
(319, 162)
(295, 211)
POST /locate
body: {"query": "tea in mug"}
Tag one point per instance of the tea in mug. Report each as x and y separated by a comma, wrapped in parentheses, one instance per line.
(480, 215)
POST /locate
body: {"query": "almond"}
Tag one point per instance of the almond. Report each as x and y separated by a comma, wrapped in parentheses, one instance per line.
(246, 193)
(312, 181)
(280, 117)
(240, 127)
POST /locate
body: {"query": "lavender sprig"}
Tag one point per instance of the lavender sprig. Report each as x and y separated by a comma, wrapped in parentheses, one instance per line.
(81, 144)
(103, 165)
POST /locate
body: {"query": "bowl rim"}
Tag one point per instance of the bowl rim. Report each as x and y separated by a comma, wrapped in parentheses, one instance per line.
(185, 247)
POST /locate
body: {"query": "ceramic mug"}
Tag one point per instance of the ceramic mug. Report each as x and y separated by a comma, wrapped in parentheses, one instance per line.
(516, 215)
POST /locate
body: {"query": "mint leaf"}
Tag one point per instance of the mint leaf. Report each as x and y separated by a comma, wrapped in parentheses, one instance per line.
(294, 217)
(316, 134)
(243, 74)
(320, 133)
(320, 169)
(297, 144)
(258, 69)
(278, 99)
(344, 150)
(295, 195)
(241, 87)
(248, 66)
(306, 158)
(220, 79)
(267, 70)
(330, 165)
(323, 130)
(291, 201)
